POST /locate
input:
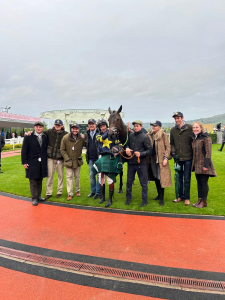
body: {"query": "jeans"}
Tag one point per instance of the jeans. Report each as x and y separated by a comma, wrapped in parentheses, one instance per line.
(185, 179)
(222, 146)
(95, 185)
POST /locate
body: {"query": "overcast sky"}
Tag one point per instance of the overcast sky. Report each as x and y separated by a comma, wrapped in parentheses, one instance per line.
(153, 57)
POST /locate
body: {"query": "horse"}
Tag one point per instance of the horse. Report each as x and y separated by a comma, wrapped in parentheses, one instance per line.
(118, 130)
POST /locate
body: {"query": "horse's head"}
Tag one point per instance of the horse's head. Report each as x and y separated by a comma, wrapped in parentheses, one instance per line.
(115, 122)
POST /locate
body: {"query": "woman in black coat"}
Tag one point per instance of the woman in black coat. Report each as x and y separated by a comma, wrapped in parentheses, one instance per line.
(34, 160)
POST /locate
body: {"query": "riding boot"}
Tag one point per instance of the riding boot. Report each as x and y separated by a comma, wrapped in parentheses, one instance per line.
(158, 186)
(161, 201)
(102, 194)
(111, 193)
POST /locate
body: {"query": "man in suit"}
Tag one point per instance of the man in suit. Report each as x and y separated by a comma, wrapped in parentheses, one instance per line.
(2, 144)
(34, 160)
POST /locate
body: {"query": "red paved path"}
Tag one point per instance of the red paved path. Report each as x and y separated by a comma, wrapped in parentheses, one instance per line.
(16, 285)
(11, 153)
(171, 242)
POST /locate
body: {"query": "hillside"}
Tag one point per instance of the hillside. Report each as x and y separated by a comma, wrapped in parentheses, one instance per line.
(211, 120)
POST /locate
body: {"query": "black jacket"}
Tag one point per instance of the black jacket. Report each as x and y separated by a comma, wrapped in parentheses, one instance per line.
(2, 142)
(31, 153)
(139, 141)
(87, 135)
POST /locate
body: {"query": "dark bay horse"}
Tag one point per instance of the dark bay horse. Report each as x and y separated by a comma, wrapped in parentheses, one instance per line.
(118, 130)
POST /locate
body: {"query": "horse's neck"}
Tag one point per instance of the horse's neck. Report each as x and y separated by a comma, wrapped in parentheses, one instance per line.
(123, 133)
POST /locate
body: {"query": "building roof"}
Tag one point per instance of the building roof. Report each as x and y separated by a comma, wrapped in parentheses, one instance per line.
(14, 120)
(78, 115)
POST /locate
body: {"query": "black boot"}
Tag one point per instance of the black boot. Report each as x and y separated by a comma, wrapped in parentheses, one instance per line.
(161, 200)
(111, 193)
(102, 194)
(158, 187)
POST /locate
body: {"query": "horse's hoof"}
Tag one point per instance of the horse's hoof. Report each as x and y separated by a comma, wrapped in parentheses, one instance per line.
(120, 191)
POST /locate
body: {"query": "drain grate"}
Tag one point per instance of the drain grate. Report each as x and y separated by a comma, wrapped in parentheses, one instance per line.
(114, 272)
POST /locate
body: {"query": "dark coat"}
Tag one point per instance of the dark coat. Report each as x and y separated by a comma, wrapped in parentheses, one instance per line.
(180, 142)
(202, 149)
(87, 135)
(2, 142)
(31, 152)
(139, 141)
(54, 142)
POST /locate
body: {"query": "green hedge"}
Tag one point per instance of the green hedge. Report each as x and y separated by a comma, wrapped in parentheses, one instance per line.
(18, 145)
(213, 137)
(7, 147)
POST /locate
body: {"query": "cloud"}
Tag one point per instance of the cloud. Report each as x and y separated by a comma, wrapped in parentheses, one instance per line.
(154, 57)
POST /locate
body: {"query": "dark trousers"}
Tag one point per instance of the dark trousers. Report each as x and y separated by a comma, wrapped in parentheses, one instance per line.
(222, 146)
(185, 179)
(142, 175)
(35, 188)
(0, 159)
(160, 190)
(203, 187)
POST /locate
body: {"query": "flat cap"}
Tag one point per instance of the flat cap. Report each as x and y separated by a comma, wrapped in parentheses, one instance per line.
(138, 122)
(39, 123)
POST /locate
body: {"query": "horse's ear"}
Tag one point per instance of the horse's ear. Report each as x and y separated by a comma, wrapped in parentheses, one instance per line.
(120, 109)
(109, 110)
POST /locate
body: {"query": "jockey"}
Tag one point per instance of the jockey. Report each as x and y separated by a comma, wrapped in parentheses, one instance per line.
(109, 164)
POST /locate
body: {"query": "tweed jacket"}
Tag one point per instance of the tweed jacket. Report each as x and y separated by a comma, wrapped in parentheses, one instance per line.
(202, 149)
(162, 147)
(71, 151)
(180, 142)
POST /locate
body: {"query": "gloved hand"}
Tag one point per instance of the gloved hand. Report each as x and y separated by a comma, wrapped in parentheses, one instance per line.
(175, 157)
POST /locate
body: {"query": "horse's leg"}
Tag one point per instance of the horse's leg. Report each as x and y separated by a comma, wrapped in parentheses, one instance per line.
(121, 183)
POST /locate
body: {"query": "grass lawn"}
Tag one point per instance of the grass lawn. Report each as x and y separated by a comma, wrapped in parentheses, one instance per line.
(13, 181)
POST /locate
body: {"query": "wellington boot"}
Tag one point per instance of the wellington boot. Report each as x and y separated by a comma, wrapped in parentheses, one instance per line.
(109, 203)
(102, 194)
(161, 202)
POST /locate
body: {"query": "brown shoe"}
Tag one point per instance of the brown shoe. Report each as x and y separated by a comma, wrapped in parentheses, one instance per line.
(197, 203)
(178, 200)
(187, 202)
(47, 197)
(202, 204)
(58, 195)
(69, 198)
(78, 194)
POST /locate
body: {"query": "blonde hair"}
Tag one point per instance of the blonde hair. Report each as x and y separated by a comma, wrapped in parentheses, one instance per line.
(200, 125)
